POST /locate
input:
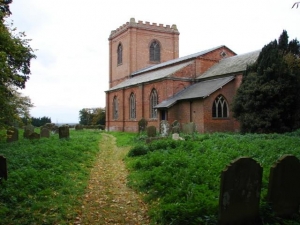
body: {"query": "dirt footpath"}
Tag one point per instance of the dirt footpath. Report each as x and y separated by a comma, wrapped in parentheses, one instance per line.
(108, 200)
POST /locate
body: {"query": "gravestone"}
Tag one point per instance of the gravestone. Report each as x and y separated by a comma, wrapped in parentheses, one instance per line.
(175, 127)
(164, 128)
(240, 192)
(12, 134)
(142, 124)
(284, 186)
(78, 127)
(45, 132)
(63, 132)
(3, 168)
(34, 136)
(151, 131)
(28, 130)
(189, 128)
(176, 137)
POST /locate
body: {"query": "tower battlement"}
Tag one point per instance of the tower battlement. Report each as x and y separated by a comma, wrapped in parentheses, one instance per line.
(145, 26)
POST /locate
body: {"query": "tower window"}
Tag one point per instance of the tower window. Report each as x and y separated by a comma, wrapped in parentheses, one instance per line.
(120, 52)
(155, 52)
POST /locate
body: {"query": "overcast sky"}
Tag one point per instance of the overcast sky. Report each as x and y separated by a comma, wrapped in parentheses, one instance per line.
(71, 40)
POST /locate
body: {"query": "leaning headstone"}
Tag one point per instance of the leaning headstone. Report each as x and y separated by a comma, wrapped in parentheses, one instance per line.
(12, 134)
(175, 127)
(34, 136)
(151, 131)
(176, 137)
(189, 128)
(164, 128)
(28, 130)
(3, 168)
(63, 132)
(45, 132)
(284, 186)
(240, 192)
(142, 124)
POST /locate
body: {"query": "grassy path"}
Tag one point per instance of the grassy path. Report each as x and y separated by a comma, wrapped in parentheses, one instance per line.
(107, 199)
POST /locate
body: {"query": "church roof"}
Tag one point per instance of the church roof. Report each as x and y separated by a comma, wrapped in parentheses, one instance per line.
(151, 75)
(174, 61)
(197, 90)
(231, 65)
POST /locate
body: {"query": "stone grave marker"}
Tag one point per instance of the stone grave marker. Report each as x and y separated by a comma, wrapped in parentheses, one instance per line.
(3, 168)
(28, 130)
(151, 131)
(142, 124)
(45, 132)
(164, 128)
(284, 186)
(63, 132)
(175, 127)
(34, 136)
(78, 127)
(12, 134)
(189, 128)
(240, 192)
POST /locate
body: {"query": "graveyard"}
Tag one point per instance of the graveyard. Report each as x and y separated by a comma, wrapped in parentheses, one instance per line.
(190, 179)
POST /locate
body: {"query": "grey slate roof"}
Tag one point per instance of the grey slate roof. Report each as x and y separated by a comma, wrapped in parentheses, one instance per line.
(198, 90)
(231, 65)
(173, 61)
(151, 76)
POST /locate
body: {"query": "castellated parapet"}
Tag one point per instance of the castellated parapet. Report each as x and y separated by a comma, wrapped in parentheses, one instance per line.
(144, 26)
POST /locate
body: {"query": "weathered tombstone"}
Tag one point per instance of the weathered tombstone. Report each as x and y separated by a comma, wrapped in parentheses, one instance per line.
(3, 168)
(151, 131)
(176, 137)
(63, 132)
(12, 134)
(189, 128)
(284, 186)
(240, 192)
(142, 124)
(164, 128)
(78, 127)
(175, 127)
(34, 136)
(45, 132)
(28, 130)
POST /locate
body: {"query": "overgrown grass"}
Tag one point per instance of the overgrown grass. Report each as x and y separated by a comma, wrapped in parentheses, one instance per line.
(46, 178)
(181, 179)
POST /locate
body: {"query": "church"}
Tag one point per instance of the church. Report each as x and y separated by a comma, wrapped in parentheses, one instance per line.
(147, 79)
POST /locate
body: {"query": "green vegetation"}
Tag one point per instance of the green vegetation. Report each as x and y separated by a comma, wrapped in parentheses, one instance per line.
(46, 178)
(267, 100)
(181, 179)
(15, 57)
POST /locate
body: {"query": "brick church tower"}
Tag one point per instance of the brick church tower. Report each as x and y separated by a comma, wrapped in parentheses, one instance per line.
(137, 45)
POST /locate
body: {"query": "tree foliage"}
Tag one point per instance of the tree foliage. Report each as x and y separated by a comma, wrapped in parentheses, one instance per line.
(92, 116)
(15, 57)
(40, 121)
(267, 100)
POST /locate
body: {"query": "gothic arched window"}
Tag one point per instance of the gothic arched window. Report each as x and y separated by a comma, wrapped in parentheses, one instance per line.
(132, 109)
(120, 52)
(154, 51)
(220, 108)
(115, 108)
(153, 103)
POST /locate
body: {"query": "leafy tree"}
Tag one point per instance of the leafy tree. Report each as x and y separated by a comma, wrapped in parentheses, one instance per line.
(40, 121)
(92, 116)
(15, 57)
(267, 100)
